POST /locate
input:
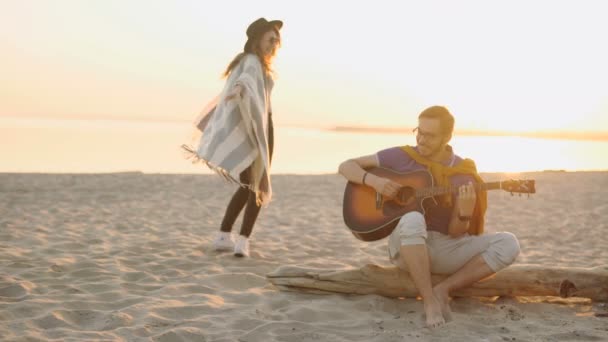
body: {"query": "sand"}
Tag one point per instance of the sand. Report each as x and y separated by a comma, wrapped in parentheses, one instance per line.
(127, 257)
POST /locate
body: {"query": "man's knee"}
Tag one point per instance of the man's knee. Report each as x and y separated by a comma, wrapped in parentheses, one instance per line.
(510, 246)
(503, 251)
(412, 229)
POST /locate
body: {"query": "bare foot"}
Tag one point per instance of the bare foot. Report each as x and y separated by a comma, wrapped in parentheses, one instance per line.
(443, 297)
(432, 309)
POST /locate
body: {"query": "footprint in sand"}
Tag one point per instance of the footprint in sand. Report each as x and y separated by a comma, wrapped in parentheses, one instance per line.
(512, 312)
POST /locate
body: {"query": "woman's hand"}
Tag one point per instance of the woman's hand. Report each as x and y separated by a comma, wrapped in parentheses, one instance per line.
(466, 199)
(237, 91)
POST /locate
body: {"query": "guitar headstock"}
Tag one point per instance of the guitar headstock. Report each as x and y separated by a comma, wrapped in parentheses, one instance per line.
(526, 186)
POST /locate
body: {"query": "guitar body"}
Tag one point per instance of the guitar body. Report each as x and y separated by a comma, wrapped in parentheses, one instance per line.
(369, 217)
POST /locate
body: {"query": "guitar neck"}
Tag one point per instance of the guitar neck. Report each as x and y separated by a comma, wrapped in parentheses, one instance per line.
(441, 190)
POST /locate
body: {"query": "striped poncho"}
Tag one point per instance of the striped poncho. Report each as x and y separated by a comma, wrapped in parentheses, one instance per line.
(234, 133)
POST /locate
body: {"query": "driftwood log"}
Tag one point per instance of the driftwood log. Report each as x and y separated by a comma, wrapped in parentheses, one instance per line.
(517, 280)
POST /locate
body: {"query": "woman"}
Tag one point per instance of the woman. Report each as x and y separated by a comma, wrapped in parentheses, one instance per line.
(237, 132)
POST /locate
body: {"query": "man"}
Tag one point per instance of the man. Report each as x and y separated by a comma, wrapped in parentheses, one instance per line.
(447, 239)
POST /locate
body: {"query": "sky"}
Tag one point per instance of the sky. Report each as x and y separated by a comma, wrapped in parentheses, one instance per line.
(521, 66)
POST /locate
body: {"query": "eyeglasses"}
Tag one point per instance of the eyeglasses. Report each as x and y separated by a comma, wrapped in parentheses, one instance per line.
(426, 135)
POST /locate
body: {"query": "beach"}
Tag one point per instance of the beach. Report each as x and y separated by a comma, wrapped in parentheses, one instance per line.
(128, 257)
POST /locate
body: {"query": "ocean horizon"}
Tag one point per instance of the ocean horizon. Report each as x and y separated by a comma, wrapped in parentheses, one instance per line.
(50, 145)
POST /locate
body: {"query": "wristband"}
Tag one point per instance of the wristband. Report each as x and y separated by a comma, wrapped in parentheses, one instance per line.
(363, 181)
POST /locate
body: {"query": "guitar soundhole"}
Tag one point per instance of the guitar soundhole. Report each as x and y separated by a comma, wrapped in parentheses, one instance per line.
(406, 195)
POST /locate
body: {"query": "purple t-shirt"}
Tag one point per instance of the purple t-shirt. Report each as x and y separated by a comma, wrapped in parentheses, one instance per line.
(438, 217)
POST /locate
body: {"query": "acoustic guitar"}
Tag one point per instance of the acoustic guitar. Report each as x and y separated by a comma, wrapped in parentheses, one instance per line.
(371, 217)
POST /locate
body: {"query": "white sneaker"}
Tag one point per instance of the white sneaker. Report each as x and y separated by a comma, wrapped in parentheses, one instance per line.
(241, 248)
(223, 242)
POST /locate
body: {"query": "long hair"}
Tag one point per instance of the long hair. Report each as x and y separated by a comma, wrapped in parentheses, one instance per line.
(253, 46)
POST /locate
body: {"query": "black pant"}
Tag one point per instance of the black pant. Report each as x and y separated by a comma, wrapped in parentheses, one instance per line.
(245, 196)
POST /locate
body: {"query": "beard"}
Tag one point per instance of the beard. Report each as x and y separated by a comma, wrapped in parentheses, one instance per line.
(429, 151)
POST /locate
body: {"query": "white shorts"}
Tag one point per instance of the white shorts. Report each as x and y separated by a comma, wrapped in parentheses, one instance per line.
(448, 254)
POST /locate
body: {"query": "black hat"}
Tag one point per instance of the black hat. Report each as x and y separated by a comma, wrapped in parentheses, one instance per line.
(260, 26)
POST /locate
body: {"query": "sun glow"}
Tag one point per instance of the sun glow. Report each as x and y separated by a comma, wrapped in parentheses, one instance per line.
(529, 68)
(496, 66)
